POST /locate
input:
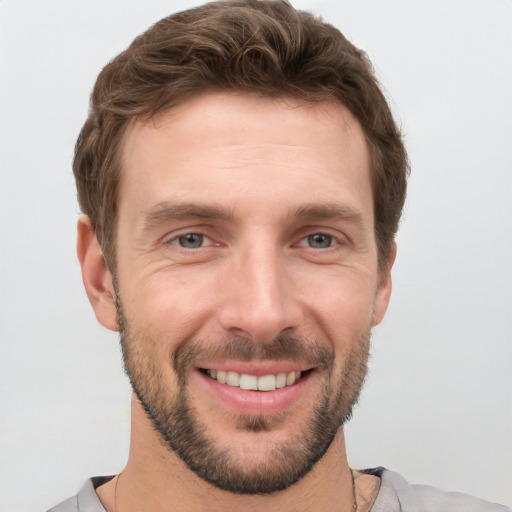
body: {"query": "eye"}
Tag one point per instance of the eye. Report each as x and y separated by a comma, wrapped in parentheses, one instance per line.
(319, 241)
(190, 240)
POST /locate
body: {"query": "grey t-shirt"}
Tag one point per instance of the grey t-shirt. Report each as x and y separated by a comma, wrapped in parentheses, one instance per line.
(395, 495)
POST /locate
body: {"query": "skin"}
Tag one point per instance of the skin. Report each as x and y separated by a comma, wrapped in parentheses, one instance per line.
(257, 276)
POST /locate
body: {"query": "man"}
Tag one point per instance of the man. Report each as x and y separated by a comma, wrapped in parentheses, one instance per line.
(242, 179)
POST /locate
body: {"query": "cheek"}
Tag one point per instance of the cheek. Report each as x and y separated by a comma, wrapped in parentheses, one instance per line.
(170, 306)
(343, 310)
(346, 320)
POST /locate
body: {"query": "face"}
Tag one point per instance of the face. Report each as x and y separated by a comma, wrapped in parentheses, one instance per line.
(247, 282)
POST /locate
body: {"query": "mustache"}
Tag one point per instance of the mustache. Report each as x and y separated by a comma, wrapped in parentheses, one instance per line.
(282, 348)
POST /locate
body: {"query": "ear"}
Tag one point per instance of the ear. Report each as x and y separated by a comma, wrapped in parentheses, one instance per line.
(95, 275)
(384, 288)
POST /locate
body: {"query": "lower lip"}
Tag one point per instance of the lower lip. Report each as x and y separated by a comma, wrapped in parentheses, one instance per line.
(254, 402)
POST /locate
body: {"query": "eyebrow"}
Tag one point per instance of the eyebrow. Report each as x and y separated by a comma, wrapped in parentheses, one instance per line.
(328, 211)
(165, 211)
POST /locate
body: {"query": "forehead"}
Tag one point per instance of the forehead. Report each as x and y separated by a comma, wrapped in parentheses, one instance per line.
(238, 148)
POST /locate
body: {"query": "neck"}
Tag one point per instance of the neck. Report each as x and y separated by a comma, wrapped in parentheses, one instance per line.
(156, 479)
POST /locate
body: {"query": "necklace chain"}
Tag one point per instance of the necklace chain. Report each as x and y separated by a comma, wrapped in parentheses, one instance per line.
(354, 496)
(115, 491)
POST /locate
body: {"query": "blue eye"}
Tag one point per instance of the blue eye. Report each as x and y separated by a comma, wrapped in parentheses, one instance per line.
(319, 241)
(190, 240)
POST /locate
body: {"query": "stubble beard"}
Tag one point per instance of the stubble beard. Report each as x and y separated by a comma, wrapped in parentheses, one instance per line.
(176, 420)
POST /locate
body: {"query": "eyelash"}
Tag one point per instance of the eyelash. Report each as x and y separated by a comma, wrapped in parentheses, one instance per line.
(176, 240)
(332, 240)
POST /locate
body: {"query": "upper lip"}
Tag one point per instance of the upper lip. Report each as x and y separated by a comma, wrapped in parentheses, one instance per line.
(257, 368)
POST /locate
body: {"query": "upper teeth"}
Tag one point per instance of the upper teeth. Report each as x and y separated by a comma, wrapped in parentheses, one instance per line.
(252, 382)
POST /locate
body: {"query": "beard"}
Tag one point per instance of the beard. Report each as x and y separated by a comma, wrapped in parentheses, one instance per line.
(177, 422)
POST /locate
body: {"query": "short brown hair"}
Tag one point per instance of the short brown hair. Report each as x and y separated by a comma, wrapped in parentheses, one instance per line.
(259, 46)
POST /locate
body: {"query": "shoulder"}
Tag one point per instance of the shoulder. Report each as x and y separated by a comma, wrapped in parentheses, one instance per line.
(398, 495)
(70, 505)
(86, 500)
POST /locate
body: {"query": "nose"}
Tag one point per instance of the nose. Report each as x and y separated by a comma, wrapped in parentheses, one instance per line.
(258, 299)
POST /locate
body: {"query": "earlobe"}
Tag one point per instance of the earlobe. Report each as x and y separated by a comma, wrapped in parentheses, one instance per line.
(95, 274)
(383, 294)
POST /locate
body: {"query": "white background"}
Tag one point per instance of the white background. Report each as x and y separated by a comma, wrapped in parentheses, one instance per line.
(438, 403)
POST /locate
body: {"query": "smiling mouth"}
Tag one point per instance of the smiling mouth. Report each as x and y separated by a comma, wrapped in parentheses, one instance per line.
(249, 382)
